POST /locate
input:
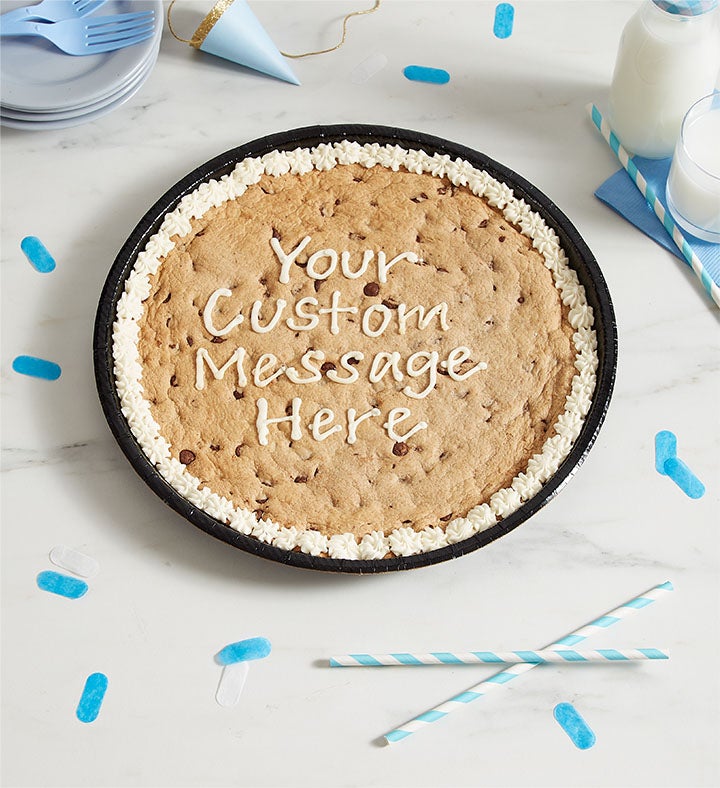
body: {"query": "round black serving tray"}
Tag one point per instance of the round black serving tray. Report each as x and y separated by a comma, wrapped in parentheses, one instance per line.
(581, 259)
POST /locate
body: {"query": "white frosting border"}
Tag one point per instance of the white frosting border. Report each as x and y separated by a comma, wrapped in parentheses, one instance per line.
(375, 545)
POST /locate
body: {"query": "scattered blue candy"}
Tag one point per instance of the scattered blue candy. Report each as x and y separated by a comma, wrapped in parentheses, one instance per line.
(92, 697)
(62, 585)
(574, 725)
(36, 367)
(37, 254)
(504, 20)
(437, 76)
(685, 479)
(665, 449)
(243, 650)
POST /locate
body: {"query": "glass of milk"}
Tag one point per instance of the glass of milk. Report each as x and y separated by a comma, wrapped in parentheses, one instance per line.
(693, 186)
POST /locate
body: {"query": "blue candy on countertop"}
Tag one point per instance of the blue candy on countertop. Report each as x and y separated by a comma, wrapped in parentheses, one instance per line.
(62, 585)
(574, 725)
(36, 367)
(92, 697)
(37, 254)
(436, 76)
(243, 650)
(504, 20)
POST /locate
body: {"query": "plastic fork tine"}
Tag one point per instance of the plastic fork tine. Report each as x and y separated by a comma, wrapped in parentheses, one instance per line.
(52, 10)
(110, 45)
(85, 7)
(101, 34)
(118, 20)
(138, 27)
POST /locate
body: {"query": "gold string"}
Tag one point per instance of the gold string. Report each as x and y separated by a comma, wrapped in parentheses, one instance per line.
(222, 6)
(344, 33)
(170, 27)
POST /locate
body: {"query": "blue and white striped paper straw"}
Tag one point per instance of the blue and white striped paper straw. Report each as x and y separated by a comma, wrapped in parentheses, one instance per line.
(536, 657)
(505, 676)
(652, 200)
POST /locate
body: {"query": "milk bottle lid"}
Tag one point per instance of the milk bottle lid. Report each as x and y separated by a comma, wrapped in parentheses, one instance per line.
(686, 7)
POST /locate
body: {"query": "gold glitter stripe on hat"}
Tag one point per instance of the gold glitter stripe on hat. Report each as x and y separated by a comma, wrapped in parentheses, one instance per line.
(205, 26)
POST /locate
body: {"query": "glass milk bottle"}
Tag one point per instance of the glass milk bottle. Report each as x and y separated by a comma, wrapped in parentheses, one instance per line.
(668, 58)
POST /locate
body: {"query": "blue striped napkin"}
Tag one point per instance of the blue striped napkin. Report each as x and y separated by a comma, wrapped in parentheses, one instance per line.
(621, 194)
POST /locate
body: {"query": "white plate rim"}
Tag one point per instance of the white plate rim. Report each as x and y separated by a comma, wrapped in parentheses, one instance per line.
(90, 87)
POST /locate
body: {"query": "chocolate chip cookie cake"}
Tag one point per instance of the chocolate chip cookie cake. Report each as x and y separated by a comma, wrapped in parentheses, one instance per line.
(355, 351)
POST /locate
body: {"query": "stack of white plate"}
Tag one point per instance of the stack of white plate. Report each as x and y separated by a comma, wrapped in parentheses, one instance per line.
(43, 88)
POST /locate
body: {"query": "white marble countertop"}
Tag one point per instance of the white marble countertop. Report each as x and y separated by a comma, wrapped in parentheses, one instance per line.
(168, 596)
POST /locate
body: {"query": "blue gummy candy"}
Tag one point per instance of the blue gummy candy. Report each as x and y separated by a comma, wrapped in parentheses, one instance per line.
(665, 449)
(437, 76)
(62, 585)
(37, 254)
(243, 650)
(574, 725)
(36, 367)
(685, 479)
(92, 697)
(504, 19)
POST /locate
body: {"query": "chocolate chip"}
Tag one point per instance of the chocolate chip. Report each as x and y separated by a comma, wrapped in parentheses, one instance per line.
(442, 190)
(187, 456)
(217, 340)
(173, 381)
(400, 449)
(357, 236)
(214, 447)
(316, 285)
(371, 289)
(389, 304)
(521, 300)
(446, 518)
(190, 341)
(238, 450)
(353, 361)
(483, 223)
(443, 270)
(326, 366)
(501, 239)
(289, 409)
(238, 394)
(169, 296)
(300, 479)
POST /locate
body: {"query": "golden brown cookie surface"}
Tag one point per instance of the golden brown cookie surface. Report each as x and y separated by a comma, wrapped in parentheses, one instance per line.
(482, 428)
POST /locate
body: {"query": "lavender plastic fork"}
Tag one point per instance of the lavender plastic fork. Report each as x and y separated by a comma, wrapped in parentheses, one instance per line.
(52, 10)
(91, 37)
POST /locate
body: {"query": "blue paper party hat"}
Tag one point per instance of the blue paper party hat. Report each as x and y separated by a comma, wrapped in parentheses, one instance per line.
(232, 31)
